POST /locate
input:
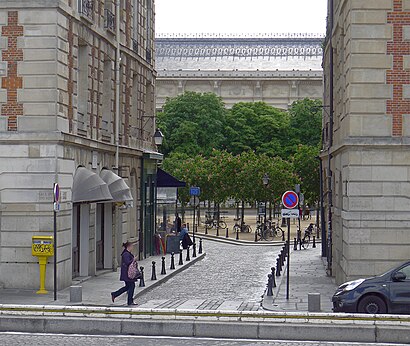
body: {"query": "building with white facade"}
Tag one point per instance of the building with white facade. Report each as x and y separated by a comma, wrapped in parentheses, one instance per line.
(77, 108)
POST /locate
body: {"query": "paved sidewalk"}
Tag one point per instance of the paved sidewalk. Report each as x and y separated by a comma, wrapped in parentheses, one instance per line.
(202, 304)
(96, 290)
(307, 275)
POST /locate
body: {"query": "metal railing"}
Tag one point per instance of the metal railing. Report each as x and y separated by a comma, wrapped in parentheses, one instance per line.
(109, 20)
(85, 8)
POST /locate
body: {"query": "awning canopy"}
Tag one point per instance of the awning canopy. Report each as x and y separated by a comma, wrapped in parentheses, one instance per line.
(165, 179)
(89, 187)
(118, 188)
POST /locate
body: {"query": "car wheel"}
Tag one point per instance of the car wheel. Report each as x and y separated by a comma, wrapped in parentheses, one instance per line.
(372, 305)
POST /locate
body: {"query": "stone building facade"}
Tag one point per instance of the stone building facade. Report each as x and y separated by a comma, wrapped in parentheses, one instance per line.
(277, 70)
(366, 133)
(77, 109)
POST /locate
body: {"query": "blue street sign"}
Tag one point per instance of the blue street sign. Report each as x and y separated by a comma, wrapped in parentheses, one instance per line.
(194, 191)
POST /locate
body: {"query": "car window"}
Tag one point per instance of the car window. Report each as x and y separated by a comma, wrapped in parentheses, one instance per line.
(406, 270)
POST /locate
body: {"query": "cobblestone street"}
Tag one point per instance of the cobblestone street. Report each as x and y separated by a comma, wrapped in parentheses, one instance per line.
(20, 339)
(227, 273)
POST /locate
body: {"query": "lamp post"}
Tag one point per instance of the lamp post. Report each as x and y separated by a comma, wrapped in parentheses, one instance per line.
(265, 181)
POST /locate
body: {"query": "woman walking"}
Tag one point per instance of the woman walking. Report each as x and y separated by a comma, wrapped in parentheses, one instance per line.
(126, 259)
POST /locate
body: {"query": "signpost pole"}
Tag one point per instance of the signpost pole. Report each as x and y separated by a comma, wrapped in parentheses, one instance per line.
(288, 261)
(56, 200)
(193, 224)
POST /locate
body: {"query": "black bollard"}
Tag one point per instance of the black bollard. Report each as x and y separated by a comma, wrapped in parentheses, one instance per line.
(269, 292)
(180, 258)
(314, 241)
(277, 267)
(172, 261)
(283, 235)
(295, 244)
(217, 231)
(256, 236)
(194, 250)
(153, 272)
(237, 234)
(287, 247)
(227, 233)
(300, 244)
(200, 246)
(187, 254)
(273, 276)
(142, 281)
(206, 229)
(163, 271)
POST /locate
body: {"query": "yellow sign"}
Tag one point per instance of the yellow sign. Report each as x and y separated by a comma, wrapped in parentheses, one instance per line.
(42, 246)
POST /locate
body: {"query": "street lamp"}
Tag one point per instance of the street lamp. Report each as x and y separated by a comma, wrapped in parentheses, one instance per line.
(265, 181)
(158, 137)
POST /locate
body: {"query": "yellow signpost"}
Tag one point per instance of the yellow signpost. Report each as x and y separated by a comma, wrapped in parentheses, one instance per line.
(42, 247)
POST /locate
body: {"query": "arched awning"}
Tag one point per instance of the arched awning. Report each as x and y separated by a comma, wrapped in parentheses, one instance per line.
(118, 188)
(89, 187)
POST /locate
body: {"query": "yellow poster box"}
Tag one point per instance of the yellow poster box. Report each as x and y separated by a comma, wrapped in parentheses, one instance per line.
(42, 247)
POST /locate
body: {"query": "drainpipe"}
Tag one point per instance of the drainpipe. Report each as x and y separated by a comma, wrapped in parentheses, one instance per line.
(117, 228)
(329, 177)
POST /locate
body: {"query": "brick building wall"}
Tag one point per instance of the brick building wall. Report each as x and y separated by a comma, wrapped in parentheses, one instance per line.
(370, 157)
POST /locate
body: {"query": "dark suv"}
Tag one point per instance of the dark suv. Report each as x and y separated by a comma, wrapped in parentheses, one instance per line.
(387, 293)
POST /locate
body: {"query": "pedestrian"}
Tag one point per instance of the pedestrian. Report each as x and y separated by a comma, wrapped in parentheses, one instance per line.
(126, 259)
(184, 237)
(178, 223)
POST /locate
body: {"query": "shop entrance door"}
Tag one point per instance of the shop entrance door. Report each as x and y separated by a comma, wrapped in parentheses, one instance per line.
(75, 257)
(99, 246)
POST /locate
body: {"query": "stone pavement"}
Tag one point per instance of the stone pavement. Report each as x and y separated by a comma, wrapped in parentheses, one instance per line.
(96, 290)
(307, 275)
(22, 339)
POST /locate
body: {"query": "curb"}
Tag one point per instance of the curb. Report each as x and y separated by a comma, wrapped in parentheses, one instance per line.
(233, 241)
(206, 323)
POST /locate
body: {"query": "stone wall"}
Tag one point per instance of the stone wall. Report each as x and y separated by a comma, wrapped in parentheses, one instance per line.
(277, 88)
(57, 100)
(370, 163)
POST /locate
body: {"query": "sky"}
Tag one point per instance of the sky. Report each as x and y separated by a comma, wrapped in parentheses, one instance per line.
(240, 16)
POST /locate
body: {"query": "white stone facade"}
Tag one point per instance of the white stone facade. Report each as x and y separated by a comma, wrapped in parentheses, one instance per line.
(58, 113)
(370, 160)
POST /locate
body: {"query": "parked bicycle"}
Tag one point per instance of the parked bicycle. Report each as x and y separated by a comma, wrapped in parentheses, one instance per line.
(270, 231)
(305, 241)
(211, 222)
(243, 227)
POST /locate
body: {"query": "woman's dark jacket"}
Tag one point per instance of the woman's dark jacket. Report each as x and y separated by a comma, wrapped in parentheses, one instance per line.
(126, 259)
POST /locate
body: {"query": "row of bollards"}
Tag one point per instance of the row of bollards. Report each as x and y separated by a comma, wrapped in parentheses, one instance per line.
(280, 262)
(172, 266)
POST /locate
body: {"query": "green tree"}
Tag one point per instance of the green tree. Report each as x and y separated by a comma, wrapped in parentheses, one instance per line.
(305, 123)
(256, 126)
(192, 123)
(306, 166)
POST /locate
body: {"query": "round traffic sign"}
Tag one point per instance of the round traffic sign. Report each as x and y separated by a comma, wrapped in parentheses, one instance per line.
(290, 199)
(56, 192)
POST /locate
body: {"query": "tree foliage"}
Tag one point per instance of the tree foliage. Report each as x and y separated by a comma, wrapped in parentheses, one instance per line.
(227, 152)
(192, 123)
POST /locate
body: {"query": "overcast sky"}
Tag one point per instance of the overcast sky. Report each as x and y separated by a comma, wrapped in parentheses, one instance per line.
(240, 16)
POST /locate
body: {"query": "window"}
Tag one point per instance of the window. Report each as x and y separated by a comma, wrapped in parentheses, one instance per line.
(406, 271)
(108, 96)
(82, 90)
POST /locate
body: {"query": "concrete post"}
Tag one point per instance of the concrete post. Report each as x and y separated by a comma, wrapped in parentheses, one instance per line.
(314, 302)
